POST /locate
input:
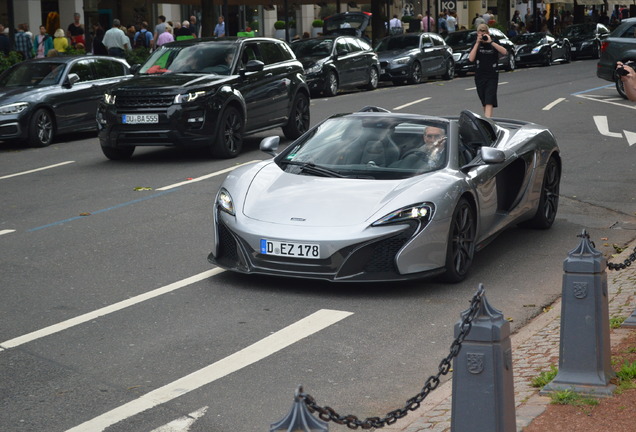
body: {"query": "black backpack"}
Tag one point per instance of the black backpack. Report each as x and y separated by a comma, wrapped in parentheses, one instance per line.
(141, 40)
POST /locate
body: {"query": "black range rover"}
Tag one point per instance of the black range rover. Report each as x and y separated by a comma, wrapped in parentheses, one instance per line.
(207, 93)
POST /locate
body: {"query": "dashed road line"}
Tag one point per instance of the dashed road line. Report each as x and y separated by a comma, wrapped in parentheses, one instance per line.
(207, 176)
(551, 105)
(397, 108)
(36, 170)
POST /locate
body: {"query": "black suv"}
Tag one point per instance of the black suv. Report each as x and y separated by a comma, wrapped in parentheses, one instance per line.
(207, 93)
(620, 45)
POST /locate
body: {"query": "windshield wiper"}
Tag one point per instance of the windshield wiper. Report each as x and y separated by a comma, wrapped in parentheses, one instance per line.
(312, 168)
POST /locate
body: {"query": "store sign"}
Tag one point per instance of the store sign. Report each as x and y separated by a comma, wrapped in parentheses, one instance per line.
(449, 5)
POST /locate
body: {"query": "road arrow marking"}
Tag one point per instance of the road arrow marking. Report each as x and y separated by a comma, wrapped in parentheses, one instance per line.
(182, 424)
(631, 137)
(603, 128)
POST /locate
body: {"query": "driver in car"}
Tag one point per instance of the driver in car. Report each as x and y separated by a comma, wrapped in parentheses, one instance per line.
(430, 155)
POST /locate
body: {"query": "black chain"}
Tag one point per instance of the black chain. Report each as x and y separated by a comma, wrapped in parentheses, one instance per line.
(353, 422)
(626, 263)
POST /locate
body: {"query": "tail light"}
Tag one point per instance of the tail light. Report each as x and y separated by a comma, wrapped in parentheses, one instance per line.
(604, 46)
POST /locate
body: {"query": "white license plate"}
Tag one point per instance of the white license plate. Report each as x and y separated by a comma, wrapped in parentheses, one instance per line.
(289, 249)
(140, 118)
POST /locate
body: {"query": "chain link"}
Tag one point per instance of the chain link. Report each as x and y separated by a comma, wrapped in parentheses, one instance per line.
(353, 422)
(620, 266)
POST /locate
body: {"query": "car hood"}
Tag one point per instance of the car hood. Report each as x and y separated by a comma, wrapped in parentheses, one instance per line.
(17, 94)
(278, 197)
(313, 60)
(391, 54)
(461, 48)
(171, 80)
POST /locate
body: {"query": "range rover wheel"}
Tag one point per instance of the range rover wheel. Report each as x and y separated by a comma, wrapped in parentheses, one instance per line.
(228, 141)
(41, 128)
(118, 153)
(298, 122)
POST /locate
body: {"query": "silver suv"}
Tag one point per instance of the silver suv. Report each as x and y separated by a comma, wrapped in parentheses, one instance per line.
(620, 45)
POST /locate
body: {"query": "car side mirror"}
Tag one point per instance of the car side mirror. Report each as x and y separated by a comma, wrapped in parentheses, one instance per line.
(269, 145)
(72, 79)
(254, 66)
(492, 155)
(427, 45)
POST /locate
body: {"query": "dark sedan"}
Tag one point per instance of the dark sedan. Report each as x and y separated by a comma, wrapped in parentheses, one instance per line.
(411, 57)
(541, 48)
(337, 62)
(620, 45)
(585, 39)
(44, 97)
(463, 41)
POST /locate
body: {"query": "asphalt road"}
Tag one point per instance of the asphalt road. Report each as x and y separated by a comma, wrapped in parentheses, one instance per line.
(112, 317)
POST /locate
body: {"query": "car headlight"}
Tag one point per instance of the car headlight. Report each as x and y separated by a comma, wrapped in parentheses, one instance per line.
(13, 108)
(188, 97)
(536, 50)
(314, 69)
(224, 201)
(419, 212)
(109, 98)
(401, 60)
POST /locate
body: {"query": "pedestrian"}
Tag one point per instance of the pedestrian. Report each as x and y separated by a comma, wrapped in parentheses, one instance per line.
(42, 43)
(195, 26)
(159, 28)
(165, 37)
(478, 20)
(629, 80)
(23, 43)
(415, 25)
(60, 41)
(116, 41)
(516, 17)
(485, 55)
(5, 44)
(395, 25)
(76, 30)
(487, 16)
(143, 38)
(428, 23)
(98, 37)
(184, 32)
(442, 25)
(451, 21)
(219, 29)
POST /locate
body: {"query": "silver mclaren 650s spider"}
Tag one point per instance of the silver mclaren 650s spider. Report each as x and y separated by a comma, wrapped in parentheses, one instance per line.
(381, 196)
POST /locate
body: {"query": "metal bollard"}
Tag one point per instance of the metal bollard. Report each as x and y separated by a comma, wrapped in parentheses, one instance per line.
(483, 383)
(630, 321)
(584, 350)
(299, 419)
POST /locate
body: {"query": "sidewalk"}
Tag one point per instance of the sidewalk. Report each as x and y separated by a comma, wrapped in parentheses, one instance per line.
(534, 348)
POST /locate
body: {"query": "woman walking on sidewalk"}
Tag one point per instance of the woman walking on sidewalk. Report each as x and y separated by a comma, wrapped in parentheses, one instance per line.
(486, 55)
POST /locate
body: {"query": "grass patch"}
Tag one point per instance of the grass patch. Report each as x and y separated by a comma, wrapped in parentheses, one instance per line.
(544, 377)
(616, 322)
(568, 397)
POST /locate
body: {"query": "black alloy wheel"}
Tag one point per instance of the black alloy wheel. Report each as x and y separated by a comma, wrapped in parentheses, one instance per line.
(41, 128)
(373, 79)
(450, 71)
(549, 201)
(461, 242)
(547, 60)
(620, 87)
(331, 84)
(511, 62)
(228, 141)
(567, 56)
(415, 75)
(298, 122)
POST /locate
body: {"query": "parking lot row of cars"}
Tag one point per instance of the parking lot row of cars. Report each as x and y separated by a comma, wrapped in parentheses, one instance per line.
(211, 93)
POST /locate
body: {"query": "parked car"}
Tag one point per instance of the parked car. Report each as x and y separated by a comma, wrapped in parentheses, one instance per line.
(206, 93)
(357, 199)
(41, 98)
(585, 39)
(541, 48)
(620, 45)
(337, 62)
(462, 42)
(410, 57)
(348, 23)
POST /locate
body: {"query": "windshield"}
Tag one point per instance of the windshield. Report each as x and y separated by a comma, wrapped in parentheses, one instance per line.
(368, 147)
(579, 30)
(461, 38)
(345, 21)
(217, 58)
(529, 38)
(312, 47)
(399, 43)
(35, 74)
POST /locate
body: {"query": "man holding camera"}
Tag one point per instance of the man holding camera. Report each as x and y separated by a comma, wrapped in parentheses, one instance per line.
(628, 76)
(486, 55)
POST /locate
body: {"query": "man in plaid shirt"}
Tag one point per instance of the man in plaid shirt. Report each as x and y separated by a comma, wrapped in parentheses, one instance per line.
(23, 43)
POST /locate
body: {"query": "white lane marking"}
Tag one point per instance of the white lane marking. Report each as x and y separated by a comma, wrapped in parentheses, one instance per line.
(397, 108)
(12, 343)
(35, 170)
(551, 105)
(603, 127)
(182, 424)
(207, 176)
(631, 137)
(596, 99)
(501, 83)
(245, 357)
(7, 231)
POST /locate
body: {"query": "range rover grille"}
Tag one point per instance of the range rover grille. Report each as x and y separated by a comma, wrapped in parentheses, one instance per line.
(143, 101)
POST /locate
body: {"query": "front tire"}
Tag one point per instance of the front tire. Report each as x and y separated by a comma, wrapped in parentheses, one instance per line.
(511, 62)
(228, 141)
(547, 61)
(415, 76)
(298, 122)
(450, 71)
(374, 78)
(549, 201)
(620, 87)
(118, 153)
(41, 128)
(331, 87)
(461, 242)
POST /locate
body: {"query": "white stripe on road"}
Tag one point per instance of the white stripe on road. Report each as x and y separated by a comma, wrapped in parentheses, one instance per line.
(182, 424)
(607, 101)
(207, 176)
(603, 127)
(397, 108)
(549, 106)
(501, 83)
(7, 231)
(12, 343)
(35, 170)
(243, 358)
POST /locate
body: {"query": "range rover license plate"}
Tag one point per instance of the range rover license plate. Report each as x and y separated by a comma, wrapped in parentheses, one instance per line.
(289, 249)
(139, 118)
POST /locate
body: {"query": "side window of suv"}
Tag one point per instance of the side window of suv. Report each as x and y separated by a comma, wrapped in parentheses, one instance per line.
(272, 53)
(251, 51)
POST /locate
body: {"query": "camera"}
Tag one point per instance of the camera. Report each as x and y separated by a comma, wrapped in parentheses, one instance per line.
(621, 70)
(485, 38)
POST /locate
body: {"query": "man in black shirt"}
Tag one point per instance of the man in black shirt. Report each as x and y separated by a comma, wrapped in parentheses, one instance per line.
(5, 43)
(486, 55)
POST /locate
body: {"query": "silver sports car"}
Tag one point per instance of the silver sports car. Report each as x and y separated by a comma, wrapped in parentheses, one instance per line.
(377, 196)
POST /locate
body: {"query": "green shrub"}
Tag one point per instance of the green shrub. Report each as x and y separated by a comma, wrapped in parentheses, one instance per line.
(7, 61)
(254, 25)
(138, 55)
(407, 18)
(279, 25)
(317, 23)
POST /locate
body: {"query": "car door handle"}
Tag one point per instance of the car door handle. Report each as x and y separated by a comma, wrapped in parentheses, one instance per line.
(269, 74)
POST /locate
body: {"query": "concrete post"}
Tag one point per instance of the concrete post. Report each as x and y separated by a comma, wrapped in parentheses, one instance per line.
(630, 321)
(584, 350)
(483, 387)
